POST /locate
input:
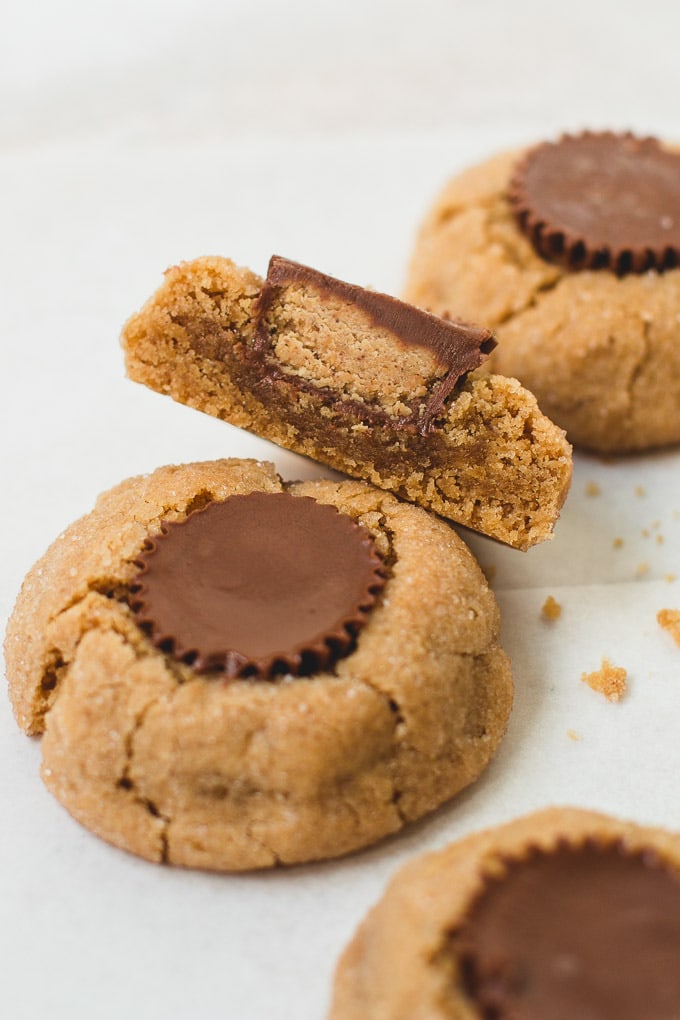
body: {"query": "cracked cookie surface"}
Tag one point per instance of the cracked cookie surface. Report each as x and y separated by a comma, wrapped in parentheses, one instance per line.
(600, 352)
(196, 771)
(423, 949)
(339, 388)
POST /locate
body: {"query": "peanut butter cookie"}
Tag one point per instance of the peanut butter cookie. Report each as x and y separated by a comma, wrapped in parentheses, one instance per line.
(570, 252)
(230, 672)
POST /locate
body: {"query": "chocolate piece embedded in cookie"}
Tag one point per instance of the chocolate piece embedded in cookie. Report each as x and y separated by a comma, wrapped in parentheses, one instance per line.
(372, 355)
(360, 382)
(230, 773)
(595, 201)
(564, 913)
(258, 585)
(588, 930)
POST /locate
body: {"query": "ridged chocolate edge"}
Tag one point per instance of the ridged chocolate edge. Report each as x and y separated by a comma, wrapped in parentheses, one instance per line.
(572, 250)
(232, 665)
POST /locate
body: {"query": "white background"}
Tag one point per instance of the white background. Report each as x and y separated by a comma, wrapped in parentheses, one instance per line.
(139, 133)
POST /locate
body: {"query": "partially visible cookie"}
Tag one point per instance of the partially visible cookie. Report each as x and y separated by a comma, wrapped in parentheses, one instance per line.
(231, 672)
(564, 913)
(358, 381)
(570, 252)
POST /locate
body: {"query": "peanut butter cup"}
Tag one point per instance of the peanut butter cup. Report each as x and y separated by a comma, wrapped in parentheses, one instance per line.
(402, 376)
(258, 585)
(580, 931)
(601, 201)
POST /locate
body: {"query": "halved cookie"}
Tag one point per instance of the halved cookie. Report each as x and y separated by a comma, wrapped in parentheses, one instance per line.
(360, 382)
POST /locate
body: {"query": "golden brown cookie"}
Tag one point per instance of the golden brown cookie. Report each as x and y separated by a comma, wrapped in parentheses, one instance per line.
(564, 913)
(358, 381)
(358, 683)
(570, 252)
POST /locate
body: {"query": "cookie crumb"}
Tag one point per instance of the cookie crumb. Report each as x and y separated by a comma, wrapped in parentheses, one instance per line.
(593, 489)
(659, 539)
(669, 619)
(645, 532)
(618, 543)
(670, 578)
(551, 610)
(608, 680)
(640, 490)
(642, 569)
(573, 735)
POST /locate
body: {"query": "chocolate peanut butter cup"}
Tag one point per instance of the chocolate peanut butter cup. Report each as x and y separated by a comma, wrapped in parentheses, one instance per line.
(400, 373)
(258, 585)
(601, 201)
(591, 930)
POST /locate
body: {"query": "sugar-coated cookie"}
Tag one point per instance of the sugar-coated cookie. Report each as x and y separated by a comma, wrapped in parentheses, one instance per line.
(562, 914)
(570, 252)
(358, 381)
(231, 672)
